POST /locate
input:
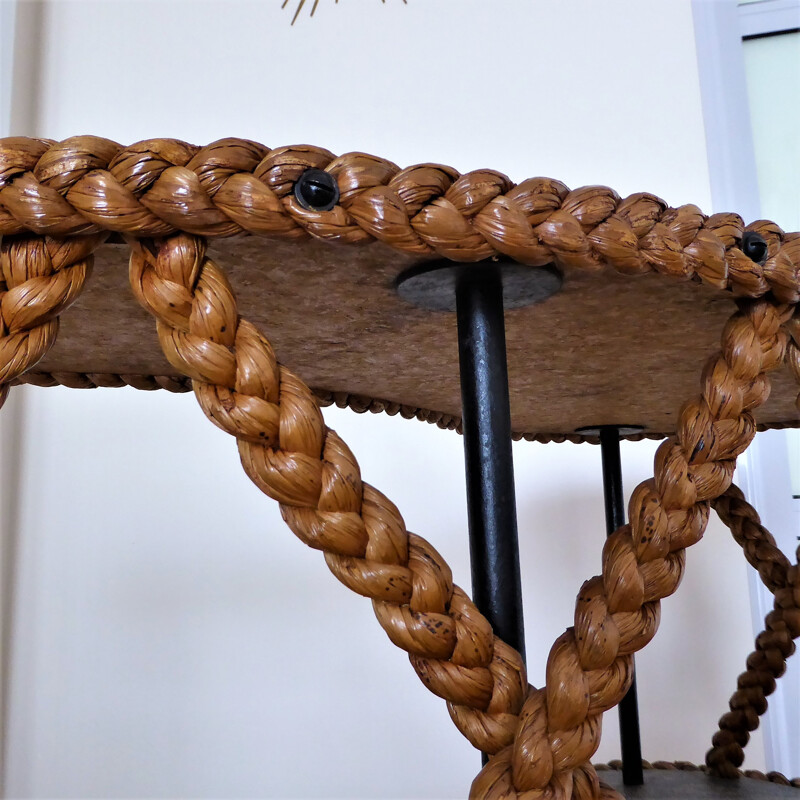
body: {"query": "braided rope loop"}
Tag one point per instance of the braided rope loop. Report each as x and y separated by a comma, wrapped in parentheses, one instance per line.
(291, 455)
(39, 278)
(617, 613)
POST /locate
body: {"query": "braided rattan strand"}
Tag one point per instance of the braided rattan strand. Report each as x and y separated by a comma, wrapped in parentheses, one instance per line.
(39, 278)
(233, 186)
(291, 456)
(617, 614)
(793, 349)
(774, 645)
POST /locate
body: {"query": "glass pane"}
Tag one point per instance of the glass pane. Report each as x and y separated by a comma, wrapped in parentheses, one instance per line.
(773, 86)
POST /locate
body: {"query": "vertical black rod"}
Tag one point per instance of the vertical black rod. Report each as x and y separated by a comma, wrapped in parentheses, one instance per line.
(491, 504)
(632, 774)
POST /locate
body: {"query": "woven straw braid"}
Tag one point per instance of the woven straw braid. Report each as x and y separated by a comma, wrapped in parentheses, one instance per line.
(793, 349)
(233, 186)
(757, 543)
(290, 455)
(774, 645)
(104, 380)
(288, 452)
(39, 278)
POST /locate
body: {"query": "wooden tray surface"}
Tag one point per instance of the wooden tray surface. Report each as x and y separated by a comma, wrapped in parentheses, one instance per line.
(608, 349)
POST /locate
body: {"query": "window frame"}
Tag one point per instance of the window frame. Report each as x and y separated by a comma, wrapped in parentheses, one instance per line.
(763, 471)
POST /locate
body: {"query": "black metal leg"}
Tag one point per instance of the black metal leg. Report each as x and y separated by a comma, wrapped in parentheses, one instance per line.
(632, 774)
(491, 503)
(486, 419)
(478, 294)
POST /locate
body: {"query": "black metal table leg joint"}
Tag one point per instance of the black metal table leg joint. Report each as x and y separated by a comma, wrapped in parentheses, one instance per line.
(632, 774)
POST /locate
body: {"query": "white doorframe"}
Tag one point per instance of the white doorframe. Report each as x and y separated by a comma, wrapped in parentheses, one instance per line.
(7, 539)
(20, 51)
(769, 18)
(723, 87)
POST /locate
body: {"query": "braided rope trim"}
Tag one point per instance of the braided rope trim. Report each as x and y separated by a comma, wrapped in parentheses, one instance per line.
(774, 645)
(359, 403)
(687, 766)
(233, 186)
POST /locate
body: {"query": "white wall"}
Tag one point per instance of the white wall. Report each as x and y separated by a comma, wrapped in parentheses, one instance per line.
(172, 639)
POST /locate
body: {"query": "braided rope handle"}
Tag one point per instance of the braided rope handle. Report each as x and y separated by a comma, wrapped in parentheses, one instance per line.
(544, 745)
(39, 278)
(232, 186)
(774, 645)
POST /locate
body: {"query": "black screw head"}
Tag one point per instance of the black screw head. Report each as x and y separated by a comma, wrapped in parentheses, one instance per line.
(754, 247)
(317, 190)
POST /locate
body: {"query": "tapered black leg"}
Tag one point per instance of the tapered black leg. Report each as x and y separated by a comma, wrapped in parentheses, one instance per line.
(486, 415)
(479, 293)
(632, 774)
(486, 421)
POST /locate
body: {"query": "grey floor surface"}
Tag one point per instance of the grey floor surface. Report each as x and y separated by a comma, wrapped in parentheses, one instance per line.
(668, 784)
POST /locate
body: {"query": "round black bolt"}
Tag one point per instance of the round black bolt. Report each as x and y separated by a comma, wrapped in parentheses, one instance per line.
(317, 190)
(754, 247)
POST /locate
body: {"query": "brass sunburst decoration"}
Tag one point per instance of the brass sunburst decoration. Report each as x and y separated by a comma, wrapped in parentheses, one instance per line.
(301, 3)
